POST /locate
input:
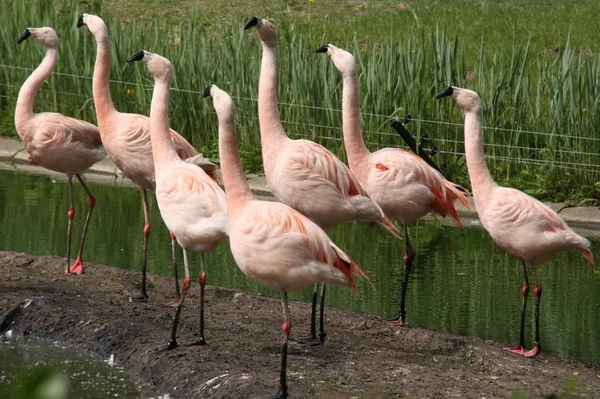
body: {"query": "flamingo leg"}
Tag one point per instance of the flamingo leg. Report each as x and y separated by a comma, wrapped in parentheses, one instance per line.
(312, 339)
(285, 329)
(70, 214)
(143, 294)
(174, 254)
(322, 334)
(186, 285)
(537, 293)
(409, 257)
(524, 293)
(77, 267)
(201, 341)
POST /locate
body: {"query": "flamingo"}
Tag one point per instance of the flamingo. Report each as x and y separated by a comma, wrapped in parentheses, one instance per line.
(519, 224)
(304, 174)
(272, 243)
(191, 203)
(55, 141)
(126, 138)
(402, 183)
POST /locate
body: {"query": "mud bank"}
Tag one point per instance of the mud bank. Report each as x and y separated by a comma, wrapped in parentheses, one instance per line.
(362, 358)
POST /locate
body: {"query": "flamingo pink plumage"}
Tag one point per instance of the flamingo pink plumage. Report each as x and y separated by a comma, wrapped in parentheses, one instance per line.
(402, 183)
(272, 243)
(191, 203)
(55, 141)
(126, 137)
(304, 174)
(521, 225)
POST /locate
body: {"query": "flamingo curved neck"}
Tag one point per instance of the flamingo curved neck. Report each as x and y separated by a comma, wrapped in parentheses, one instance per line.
(160, 134)
(100, 84)
(26, 98)
(271, 129)
(479, 174)
(353, 140)
(236, 187)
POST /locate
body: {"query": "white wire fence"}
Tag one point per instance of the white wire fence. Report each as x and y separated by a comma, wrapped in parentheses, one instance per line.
(592, 166)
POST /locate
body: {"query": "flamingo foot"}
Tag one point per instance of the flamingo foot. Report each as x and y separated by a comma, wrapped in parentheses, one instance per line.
(172, 345)
(396, 321)
(200, 342)
(280, 395)
(173, 303)
(76, 267)
(533, 352)
(310, 341)
(519, 350)
(142, 298)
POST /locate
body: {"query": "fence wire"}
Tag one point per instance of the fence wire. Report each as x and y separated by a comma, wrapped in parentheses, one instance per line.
(561, 164)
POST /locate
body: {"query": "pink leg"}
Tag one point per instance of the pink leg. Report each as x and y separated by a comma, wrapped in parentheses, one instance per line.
(186, 285)
(537, 348)
(70, 215)
(524, 293)
(285, 329)
(143, 294)
(409, 257)
(77, 267)
(175, 302)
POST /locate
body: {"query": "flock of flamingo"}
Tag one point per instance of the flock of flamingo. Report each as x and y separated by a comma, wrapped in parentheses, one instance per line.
(281, 245)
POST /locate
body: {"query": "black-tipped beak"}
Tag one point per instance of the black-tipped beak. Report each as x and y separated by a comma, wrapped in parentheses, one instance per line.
(24, 36)
(447, 92)
(252, 21)
(323, 49)
(80, 22)
(136, 57)
(207, 91)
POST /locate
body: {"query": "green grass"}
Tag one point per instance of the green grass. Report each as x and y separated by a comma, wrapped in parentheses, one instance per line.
(534, 64)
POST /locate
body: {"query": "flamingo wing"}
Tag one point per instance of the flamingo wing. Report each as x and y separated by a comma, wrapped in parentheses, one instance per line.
(55, 127)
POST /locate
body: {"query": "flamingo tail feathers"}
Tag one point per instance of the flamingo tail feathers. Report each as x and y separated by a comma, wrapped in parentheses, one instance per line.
(389, 226)
(350, 269)
(589, 255)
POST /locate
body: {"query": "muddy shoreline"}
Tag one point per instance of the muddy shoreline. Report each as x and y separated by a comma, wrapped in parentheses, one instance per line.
(363, 357)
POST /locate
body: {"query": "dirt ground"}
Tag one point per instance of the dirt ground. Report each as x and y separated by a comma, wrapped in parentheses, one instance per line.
(363, 357)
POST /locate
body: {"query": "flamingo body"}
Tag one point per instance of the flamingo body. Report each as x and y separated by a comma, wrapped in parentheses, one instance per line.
(282, 249)
(312, 180)
(61, 143)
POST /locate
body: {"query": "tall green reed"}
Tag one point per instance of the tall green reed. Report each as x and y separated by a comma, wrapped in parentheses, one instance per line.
(524, 92)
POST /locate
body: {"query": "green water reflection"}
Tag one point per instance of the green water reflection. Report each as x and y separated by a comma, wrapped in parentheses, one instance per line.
(461, 283)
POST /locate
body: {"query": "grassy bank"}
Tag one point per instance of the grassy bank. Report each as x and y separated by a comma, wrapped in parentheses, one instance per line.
(534, 64)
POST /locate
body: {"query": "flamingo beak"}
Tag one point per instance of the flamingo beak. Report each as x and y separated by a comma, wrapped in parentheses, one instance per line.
(323, 49)
(447, 92)
(207, 91)
(136, 57)
(80, 22)
(252, 21)
(26, 33)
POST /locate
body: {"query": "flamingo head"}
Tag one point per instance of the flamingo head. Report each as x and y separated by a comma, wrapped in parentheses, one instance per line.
(94, 23)
(343, 60)
(46, 36)
(265, 29)
(222, 101)
(466, 99)
(158, 66)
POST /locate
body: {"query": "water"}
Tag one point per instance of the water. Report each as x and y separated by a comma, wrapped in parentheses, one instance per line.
(81, 374)
(461, 283)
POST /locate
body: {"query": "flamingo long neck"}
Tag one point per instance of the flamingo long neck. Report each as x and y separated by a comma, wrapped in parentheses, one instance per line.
(353, 140)
(26, 98)
(479, 174)
(271, 130)
(236, 187)
(162, 149)
(100, 85)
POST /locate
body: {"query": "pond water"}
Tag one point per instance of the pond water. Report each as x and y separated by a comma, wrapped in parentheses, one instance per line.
(461, 282)
(59, 369)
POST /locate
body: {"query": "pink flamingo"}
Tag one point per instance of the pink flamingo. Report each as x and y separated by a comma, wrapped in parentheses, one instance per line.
(304, 174)
(272, 243)
(402, 183)
(191, 203)
(126, 137)
(519, 224)
(55, 141)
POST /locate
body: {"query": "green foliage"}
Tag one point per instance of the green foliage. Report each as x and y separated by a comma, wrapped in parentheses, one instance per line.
(529, 83)
(43, 382)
